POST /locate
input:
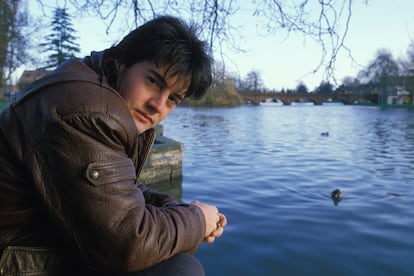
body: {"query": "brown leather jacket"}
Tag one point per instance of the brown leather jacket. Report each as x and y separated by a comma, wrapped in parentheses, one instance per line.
(70, 156)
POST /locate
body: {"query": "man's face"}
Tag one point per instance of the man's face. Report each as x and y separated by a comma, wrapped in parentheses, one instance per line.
(151, 95)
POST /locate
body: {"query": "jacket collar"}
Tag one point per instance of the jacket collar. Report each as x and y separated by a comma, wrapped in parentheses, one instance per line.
(94, 61)
(145, 142)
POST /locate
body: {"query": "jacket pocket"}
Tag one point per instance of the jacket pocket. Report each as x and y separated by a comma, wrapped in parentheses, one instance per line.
(105, 172)
(31, 261)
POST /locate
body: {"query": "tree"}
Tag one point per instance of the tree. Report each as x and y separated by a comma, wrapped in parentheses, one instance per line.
(19, 50)
(325, 88)
(8, 11)
(18, 31)
(350, 85)
(325, 21)
(62, 41)
(301, 88)
(407, 71)
(253, 81)
(380, 72)
(383, 66)
(219, 71)
(220, 94)
(410, 53)
(407, 65)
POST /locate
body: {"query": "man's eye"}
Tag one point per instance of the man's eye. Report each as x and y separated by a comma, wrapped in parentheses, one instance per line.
(152, 80)
(175, 99)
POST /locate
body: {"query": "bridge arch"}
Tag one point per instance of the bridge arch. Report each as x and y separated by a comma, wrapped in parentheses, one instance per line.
(273, 101)
(304, 101)
(316, 98)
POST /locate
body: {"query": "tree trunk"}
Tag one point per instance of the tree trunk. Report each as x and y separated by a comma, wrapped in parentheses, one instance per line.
(8, 10)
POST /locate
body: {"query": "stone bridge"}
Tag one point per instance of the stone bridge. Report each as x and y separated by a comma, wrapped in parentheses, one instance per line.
(316, 98)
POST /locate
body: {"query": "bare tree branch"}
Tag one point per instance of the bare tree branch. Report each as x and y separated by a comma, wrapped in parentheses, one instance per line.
(324, 21)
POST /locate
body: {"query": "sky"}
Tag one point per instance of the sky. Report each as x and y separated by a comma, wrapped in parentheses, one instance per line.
(284, 61)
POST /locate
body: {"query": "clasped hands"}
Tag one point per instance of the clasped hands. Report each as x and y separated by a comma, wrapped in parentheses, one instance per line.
(215, 221)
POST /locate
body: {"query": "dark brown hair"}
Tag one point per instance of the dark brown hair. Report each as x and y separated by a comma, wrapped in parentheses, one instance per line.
(167, 42)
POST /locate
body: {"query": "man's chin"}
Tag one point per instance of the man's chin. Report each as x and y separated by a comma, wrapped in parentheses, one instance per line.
(141, 129)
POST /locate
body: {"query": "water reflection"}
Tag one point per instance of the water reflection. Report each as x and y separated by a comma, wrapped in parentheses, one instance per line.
(173, 187)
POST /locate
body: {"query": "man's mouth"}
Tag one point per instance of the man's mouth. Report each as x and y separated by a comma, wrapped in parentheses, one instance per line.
(141, 116)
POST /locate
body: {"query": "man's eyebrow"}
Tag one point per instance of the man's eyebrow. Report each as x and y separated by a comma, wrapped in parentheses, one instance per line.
(163, 81)
(159, 77)
(182, 94)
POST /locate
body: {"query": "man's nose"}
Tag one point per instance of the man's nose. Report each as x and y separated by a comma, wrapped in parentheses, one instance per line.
(158, 101)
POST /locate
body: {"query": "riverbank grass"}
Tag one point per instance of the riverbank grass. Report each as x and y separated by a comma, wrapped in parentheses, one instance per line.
(222, 94)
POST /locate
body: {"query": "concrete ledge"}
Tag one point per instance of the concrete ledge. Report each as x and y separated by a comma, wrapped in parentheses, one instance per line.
(164, 163)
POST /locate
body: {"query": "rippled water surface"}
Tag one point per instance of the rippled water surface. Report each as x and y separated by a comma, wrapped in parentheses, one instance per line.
(271, 170)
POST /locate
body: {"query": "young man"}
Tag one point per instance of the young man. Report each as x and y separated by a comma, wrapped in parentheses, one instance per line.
(72, 146)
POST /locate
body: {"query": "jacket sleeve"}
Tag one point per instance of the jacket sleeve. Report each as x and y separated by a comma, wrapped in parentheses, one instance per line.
(88, 184)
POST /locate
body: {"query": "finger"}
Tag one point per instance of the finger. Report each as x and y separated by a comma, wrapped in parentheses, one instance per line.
(217, 233)
(209, 239)
(222, 220)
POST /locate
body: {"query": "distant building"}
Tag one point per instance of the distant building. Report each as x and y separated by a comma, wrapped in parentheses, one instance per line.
(399, 90)
(30, 76)
(400, 96)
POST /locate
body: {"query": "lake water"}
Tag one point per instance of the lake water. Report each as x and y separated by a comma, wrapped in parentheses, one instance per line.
(271, 170)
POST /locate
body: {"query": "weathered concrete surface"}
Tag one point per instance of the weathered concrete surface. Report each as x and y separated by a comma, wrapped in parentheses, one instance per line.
(165, 161)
